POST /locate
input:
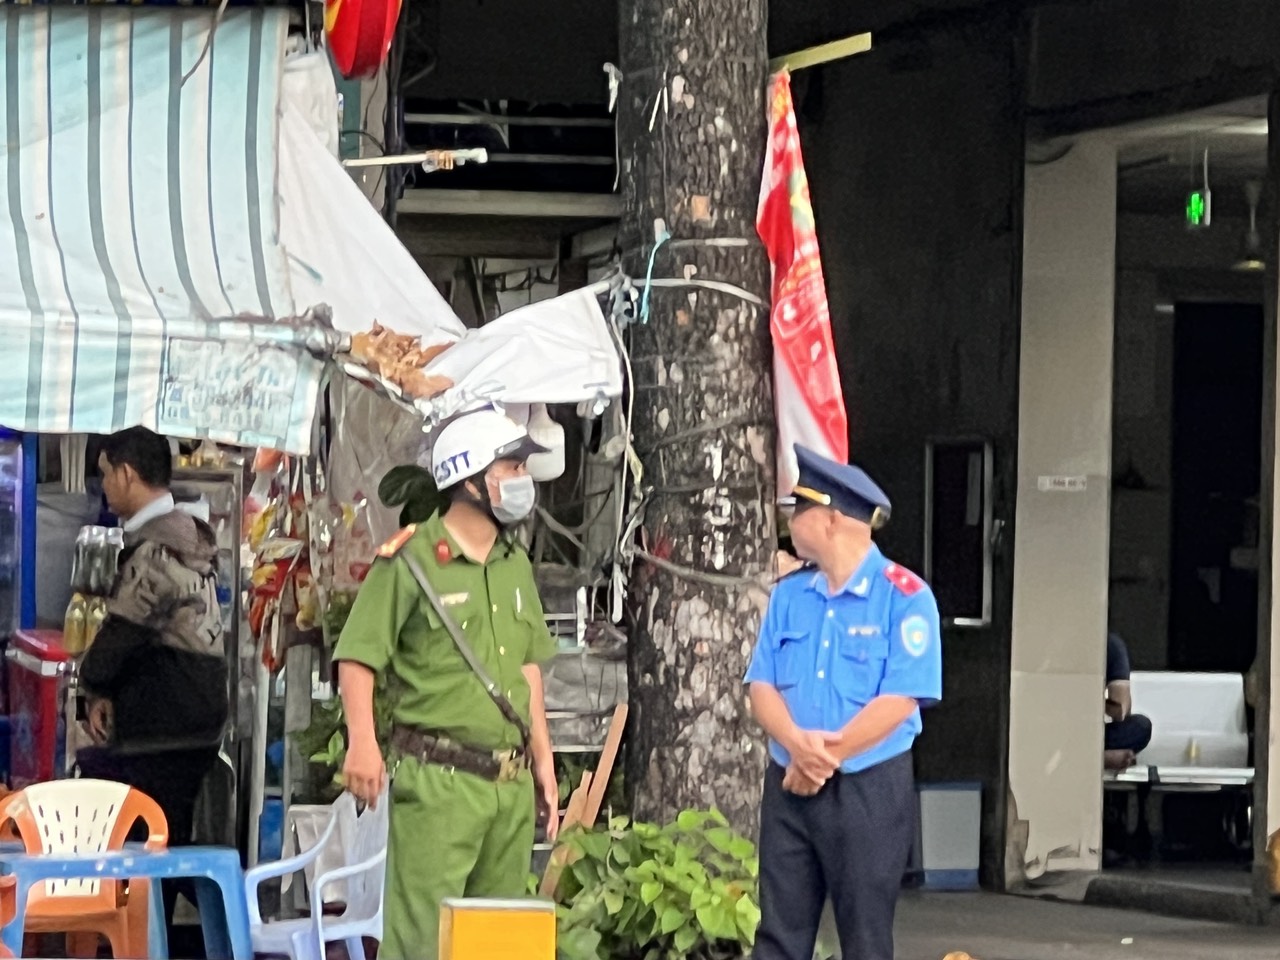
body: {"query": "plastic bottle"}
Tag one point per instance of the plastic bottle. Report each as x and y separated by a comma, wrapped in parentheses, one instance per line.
(111, 563)
(76, 617)
(94, 618)
(79, 560)
(74, 624)
(544, 430)
(95, 550)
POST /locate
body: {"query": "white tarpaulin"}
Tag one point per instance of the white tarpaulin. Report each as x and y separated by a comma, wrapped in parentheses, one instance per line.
(343, 254)
(555, 351)
(163, 207)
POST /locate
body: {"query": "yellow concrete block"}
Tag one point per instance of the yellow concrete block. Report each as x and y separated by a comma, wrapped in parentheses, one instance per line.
(476, 929)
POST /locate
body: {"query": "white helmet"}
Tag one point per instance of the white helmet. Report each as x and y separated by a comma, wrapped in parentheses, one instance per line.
(468, 445)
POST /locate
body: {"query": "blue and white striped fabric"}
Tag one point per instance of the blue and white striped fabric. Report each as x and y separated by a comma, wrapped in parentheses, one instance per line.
(138, 227)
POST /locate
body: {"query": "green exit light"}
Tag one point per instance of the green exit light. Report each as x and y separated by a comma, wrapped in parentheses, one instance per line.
(1198, 209)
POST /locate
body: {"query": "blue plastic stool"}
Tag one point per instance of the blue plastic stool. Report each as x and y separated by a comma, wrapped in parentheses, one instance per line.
(224, 914)
(271, 830)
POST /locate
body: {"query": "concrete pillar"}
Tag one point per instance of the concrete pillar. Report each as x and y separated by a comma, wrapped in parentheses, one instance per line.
(1062, 527)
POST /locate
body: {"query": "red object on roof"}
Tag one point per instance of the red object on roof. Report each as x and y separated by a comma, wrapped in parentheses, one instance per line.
(360, 33)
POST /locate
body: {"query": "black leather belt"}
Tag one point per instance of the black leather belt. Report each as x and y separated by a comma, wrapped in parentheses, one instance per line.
(500, 766)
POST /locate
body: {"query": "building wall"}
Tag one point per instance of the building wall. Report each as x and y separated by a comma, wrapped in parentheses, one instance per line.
(1102, 62)
(914, 155)
(914, 159)
(1060, 550)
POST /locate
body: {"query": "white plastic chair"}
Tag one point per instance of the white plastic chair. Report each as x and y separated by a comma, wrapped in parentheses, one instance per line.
(363, 842)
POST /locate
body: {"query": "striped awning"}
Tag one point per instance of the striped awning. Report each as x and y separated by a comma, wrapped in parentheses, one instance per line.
(139, 231)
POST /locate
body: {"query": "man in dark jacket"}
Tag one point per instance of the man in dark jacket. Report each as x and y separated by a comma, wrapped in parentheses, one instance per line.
(1126, 733)
(155, 678)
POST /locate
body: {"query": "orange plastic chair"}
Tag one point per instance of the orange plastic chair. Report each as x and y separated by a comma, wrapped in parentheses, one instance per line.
(86, 816)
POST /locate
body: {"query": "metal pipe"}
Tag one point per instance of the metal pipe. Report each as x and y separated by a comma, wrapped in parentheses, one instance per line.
(551, 158)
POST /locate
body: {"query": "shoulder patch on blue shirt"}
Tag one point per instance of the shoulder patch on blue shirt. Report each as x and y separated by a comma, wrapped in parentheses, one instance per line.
(915, 635)
(902, 578)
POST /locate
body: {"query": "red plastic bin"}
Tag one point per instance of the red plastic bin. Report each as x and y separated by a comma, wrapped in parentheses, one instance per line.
(37, 671)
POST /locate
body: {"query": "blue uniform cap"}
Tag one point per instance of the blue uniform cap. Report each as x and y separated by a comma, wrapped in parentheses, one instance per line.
(840, 486)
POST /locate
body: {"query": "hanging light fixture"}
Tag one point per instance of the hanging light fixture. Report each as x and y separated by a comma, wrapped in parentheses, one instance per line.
(1251, 258)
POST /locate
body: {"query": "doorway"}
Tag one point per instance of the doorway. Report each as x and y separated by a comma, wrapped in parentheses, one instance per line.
(1140, 453)
(1217, 472)
(1185, 538)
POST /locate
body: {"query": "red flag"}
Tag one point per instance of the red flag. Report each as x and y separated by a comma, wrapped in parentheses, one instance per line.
(807, 396)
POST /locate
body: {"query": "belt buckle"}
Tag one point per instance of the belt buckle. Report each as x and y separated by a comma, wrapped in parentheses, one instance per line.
(509, 767)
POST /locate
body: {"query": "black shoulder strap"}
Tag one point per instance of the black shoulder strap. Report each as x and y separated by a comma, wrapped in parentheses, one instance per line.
(464, 648)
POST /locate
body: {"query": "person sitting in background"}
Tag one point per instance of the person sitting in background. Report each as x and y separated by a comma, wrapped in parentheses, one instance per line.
(1126, 733)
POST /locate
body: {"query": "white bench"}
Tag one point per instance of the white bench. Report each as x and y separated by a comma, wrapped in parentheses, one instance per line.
(1199, 737)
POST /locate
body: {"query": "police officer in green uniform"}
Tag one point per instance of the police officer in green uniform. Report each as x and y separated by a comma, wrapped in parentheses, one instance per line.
(467, 767)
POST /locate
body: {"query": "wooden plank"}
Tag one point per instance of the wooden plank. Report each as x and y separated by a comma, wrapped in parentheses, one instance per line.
(823, 53)
(585, 802)
(604, 768)
(560, 855)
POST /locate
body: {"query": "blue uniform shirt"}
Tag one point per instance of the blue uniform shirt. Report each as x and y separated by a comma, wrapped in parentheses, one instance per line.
(830, 655)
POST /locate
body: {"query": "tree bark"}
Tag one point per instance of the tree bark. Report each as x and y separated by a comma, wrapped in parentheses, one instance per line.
(691, 128)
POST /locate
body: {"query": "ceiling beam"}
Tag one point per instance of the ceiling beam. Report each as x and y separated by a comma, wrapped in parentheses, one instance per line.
(503, 120)
(511, 203)
(479, 237)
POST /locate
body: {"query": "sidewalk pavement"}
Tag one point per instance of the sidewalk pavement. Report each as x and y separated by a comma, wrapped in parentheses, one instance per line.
(991, 926)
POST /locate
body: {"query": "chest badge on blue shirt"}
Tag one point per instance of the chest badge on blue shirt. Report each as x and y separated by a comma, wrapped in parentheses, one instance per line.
(915, 635)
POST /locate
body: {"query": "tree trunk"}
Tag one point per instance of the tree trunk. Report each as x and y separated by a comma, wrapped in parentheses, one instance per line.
(691, 128)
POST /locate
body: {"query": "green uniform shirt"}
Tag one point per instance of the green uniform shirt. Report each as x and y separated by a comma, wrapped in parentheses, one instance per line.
(393, 625)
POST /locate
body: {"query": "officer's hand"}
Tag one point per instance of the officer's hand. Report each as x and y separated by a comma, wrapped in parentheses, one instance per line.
(797, 783)
(813, 756)
(363, 771)
(548, 799)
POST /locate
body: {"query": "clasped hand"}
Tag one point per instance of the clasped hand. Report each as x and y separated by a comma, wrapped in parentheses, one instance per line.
(814, 761)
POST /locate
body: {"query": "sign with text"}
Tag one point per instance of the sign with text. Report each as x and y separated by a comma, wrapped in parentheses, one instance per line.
(1062, 484)
(236, 391)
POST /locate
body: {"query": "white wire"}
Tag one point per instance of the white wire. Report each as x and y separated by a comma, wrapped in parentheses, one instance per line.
(208, 42)
(628, 450)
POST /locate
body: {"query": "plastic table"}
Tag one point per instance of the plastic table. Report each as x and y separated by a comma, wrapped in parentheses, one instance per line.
(219, 881)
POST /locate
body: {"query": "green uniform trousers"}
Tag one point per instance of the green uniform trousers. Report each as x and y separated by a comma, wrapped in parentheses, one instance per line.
(452, 834)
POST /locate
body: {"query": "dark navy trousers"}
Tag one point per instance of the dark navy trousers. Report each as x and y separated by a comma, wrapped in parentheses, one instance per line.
(852, 842)
(1131, 733)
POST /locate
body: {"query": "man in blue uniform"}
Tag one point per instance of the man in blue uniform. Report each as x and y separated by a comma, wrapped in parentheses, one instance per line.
(848, 653)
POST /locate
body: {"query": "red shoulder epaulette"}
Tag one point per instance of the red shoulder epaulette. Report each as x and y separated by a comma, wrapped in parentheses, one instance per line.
(903, 579)
(393, 546)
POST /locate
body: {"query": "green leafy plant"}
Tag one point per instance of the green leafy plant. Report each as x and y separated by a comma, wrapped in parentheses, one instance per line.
(412, 489)
(638, 891)
(324, 742)
(569, 770)
(336, 612)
